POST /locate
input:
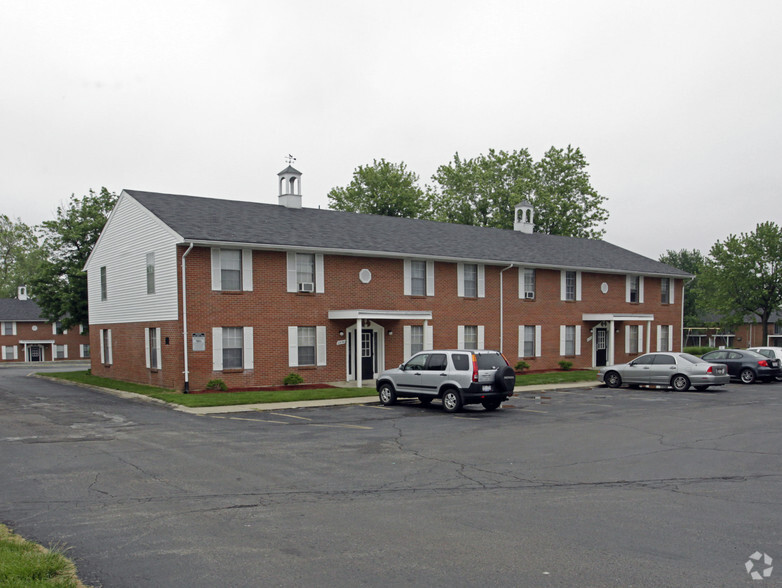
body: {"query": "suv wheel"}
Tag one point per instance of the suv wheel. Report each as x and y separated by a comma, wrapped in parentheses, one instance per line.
(452, 401)
(387, 394)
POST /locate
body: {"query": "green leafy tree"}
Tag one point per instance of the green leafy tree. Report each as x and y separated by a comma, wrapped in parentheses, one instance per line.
(565, 201)
(60, 287)
(744, 275)
(692, 262)
(20, 255)
(383, 188)
(484, 190)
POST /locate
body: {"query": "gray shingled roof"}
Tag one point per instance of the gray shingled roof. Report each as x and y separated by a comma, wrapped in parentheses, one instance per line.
(214, 220)
(12, 309)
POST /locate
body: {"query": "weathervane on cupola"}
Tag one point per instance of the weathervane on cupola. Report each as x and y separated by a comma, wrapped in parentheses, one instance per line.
(290, 185)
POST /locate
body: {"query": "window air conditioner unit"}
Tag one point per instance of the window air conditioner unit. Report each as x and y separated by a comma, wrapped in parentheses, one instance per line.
(306, 287)
(529, 295)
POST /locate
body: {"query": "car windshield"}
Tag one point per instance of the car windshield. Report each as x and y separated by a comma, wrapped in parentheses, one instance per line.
(692, 358)
(490, 361)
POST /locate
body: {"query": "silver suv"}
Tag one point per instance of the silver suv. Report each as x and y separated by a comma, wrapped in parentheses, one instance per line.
(456, 376)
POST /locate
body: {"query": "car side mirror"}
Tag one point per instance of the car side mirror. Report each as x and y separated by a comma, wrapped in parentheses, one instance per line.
(402, 366)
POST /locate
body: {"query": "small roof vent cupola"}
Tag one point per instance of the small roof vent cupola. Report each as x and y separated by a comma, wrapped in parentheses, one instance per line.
(290, 185)
(524, 217)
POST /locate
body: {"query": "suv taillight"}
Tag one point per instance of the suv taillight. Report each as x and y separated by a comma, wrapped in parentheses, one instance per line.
(474, 368)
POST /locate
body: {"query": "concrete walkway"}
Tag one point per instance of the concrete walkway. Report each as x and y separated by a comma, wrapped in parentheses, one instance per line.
(272, 406)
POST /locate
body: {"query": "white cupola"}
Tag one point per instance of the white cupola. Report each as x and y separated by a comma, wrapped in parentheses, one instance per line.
(290, 187)
(524, 217)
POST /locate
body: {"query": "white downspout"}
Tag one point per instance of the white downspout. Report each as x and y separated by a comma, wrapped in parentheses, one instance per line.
(502, 313)
(184, 317)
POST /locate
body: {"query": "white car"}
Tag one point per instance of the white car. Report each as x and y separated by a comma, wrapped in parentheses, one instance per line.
(771, 353)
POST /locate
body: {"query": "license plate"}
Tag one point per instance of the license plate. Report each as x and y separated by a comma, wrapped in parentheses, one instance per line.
(487, 388)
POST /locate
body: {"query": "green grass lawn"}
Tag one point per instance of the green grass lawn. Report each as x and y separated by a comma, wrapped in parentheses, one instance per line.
(28, 565)
(266, 396)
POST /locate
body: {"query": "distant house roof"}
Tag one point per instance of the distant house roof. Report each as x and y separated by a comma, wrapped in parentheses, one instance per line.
(211, 220)
(12, 309)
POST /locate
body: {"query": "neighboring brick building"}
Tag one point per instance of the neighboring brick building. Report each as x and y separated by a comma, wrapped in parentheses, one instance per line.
(26, 336)
(260, 290)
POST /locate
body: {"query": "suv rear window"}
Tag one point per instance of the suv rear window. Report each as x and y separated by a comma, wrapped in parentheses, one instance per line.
(490, 361)
(461, 362)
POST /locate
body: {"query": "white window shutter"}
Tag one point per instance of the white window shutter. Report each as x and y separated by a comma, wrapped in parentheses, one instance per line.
(407, 273)
(217, 349)
(671, 290)
(481, 340)
(407, 338)
(562, 337)
(292, 280)
(562, 285)
(578, 288)
(640, 338)
(146, 347)
(16, 350)
(430, 278)
(538, 341)
(158, 337)
(627, 338)
(110, 352)
(627, 288)
(460, 337)
(217, 282)
(102, 348)
(659, 337)
(481, 281)
(320, 348)
(670, 338)
(65, 351)
(13, 328)
(54, 328)
(460, 279)
(248, 353)
(293, 346)
(428, 337)
(641, 289)
(320, 287)
(578, 339)
(247, 270)
(521, 341)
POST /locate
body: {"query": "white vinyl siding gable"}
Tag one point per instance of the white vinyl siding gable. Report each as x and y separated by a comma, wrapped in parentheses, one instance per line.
(130, 233)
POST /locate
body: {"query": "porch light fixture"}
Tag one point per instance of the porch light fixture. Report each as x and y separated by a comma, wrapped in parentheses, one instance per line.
(390, 333)
(342, 333)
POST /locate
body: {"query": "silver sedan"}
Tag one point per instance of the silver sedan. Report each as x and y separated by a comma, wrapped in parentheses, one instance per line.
(677, 370)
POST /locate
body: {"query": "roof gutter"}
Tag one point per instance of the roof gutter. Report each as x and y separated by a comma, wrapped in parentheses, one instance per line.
(184, 317)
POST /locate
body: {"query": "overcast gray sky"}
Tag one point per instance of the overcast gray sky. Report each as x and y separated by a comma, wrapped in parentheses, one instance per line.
(677, 105)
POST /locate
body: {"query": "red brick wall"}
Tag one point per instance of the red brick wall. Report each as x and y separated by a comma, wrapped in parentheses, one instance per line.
(269, 309)
(42, 331)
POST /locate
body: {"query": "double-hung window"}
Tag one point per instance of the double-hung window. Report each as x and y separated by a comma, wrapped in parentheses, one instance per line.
(416, 339)
(105, 347)
(470, 337)
(305, 272)
(632, 336)
(306, 346)
(570, 285)
(664, 337)
(9, 328)
(529, 341)
(418, 278)
(471, 280)
(151, 273)
(666, 291)
(10, 352)
(570, 340)
(153, 351)
(635, 289)
(232, 270)
(60, 352)
(527, 283)
(104, 289)
(232, 348)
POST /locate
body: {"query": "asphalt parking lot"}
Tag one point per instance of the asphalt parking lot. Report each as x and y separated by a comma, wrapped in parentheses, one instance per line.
(590, 486)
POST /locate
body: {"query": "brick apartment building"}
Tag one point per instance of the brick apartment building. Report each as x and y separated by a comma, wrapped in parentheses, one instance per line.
(183, 290)
(26, 336)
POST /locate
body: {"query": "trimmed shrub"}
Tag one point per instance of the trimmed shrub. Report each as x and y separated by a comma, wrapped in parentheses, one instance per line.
(521, 366)
(565, 365)
(292, 379)
(216, 385)
(698, 350)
